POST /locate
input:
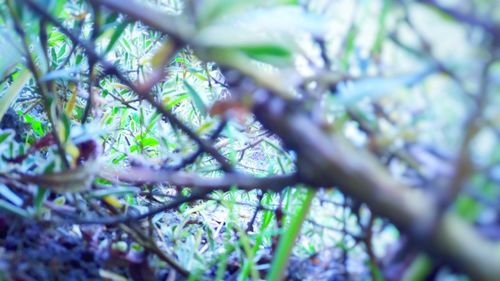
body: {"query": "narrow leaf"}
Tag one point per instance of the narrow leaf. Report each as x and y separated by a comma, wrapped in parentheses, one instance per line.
(287, 240)
(13, 91)
(198, 101)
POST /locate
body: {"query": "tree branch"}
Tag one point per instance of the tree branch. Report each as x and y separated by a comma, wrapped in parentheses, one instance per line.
(326, 160)
(202, 186)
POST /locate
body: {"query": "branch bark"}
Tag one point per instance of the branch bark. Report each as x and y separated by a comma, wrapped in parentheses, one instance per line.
(329, 160)
(140, 175)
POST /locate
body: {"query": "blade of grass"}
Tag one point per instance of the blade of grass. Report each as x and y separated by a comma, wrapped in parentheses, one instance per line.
(4, 205)
(198, 101)
(117, 33)
(419, 269)
(381, 33)
(266, 221)
(287, 240)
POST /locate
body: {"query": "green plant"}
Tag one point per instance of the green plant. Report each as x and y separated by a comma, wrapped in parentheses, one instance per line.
(230, 139)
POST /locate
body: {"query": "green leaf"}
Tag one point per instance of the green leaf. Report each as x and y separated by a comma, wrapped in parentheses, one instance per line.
(349, 47)
(61, 200)
(176, 101)
(445, 16)
(352, 92)
(36, 124)
(381, 33)
(67, 127)
(115, 36)
(259, 34)
(61, 51)
(287, 240)
(468, 208)
(13, 91)
(10, 49)
(56, 37)
(273, 54)
(41, 195)
(56, 7)
(149, 142)
(6, 135)
(212, 10)
(419, 269)
(263, 50)
(198, 101)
